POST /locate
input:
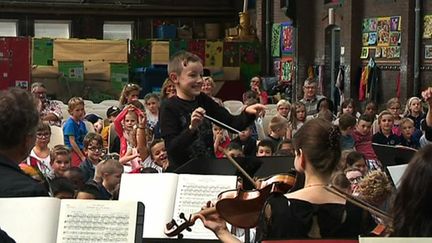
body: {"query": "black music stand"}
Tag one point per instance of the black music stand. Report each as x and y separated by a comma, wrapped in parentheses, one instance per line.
(255, 166)
(390, 155)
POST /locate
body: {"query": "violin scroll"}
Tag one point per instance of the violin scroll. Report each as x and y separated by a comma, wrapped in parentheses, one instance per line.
(172, 228)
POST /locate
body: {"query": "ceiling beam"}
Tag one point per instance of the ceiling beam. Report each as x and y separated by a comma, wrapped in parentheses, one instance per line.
(115, 9)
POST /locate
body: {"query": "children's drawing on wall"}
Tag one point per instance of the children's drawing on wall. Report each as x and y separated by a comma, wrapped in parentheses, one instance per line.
(372, 39)
(384, 52)
(395, 23)
(214, 53)
(277, 68)
(364, 53)
(383, 30)
(377, 52)
(394, 38)
(373, 24)
(275, 44)
(287, 39)
(396, 51)
(287, 69)
(427, 27)
(365, 26)
(428, 51)
(393, 52)
(365, 39)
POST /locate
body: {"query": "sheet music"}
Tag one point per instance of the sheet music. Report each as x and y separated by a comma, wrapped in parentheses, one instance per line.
(394, 239)
(396, 172)
(193, 192)
(157, 193)
(33, 219)
(97, 221)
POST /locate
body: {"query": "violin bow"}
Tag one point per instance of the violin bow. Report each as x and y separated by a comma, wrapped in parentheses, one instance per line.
(360, 203)
(221, 124)
(230, 158)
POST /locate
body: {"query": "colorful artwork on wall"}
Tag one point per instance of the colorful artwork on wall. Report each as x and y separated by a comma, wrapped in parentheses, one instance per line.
(231, 57)
(287, 39)
(383, 31)
(377, 52)
(71, 71)
(276, 36)
(214, 53)
(249, 53)
(395, 23)
(365, 39)
(43, 52)
(287, 69)
(364, 53)
(394, 38)
(427, 27)
(372, 40)
(197, 47)
(140, 54)
(428, 52)
(381, 37)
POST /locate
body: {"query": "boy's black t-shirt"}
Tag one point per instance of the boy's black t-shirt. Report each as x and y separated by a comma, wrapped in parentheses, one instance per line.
(183, 144)
(380, 138)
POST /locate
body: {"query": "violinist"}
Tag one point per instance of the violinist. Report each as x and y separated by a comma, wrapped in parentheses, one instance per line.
(412, 205)
(311, 212)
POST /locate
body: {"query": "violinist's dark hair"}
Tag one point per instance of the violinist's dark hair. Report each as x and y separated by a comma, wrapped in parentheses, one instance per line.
(412, 205)
(19, 117)
(320, 142)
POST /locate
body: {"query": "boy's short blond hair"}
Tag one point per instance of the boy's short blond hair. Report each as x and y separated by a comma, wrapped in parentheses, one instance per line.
(406, 120)
(277, 122)
(60, 150)
(283, 103)
(109, 166)
(384, 113)
(74, 102)
(393, 101)
(180, 60)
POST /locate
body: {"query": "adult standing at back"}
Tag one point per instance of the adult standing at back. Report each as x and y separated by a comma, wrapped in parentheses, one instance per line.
(310, 96)
(49, 110)
(19, 118)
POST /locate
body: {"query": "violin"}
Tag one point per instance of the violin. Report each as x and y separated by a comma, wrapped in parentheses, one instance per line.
(173, 229)
(242, 208)
(237, 207)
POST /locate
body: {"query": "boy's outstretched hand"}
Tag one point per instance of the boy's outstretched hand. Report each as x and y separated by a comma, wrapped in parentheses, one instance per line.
(427, 95)
(255, 109)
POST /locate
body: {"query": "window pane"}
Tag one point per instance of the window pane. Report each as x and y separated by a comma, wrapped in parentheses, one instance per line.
(8, 28)
(52, 29)
(117, 31)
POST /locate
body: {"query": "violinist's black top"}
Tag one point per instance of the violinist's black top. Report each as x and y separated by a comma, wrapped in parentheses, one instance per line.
(296, 219)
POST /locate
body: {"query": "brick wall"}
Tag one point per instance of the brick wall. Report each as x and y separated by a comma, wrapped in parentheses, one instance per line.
(312, 19)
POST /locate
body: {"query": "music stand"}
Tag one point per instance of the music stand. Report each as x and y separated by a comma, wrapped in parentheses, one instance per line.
(256, 166)
(393, 155)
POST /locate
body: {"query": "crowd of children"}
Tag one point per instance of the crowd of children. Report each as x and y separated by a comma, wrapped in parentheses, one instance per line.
(169, 129)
